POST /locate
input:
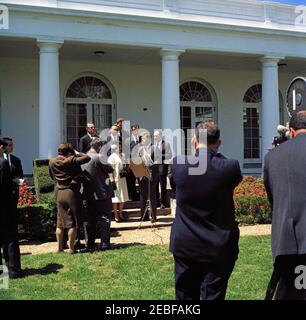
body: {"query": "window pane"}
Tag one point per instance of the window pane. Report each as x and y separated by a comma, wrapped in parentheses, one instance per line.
(251, 133)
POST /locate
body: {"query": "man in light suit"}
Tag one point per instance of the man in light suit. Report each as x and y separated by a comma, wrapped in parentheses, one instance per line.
(204, 237)
(285, 180)
(84, 144)
(165, 152)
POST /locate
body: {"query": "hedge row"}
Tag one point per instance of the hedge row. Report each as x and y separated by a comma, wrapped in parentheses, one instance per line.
(38, 221)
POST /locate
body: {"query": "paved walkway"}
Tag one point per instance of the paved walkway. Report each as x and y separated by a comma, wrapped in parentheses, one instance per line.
(147, 235)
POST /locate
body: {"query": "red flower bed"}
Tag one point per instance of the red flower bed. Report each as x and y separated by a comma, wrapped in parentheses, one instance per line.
(26, 195)
(251, 186)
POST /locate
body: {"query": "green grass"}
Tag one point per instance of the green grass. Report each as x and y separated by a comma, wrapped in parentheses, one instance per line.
(136, 272)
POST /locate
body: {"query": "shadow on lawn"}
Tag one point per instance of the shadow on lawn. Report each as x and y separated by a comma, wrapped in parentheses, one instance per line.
(126, 245)
(48, 269)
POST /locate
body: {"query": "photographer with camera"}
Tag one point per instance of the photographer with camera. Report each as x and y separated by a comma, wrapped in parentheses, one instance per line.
(285, 180)
(283, 136)
(65, 170)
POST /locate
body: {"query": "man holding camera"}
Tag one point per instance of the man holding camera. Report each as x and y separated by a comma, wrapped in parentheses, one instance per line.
(285, 180)
(204, 236)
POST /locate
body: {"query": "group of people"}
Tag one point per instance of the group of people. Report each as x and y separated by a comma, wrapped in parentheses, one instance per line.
(95, 180)
(11, 176)
(205, 236)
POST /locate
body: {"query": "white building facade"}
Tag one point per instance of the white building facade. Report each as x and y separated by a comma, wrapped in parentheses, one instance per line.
(160, 63)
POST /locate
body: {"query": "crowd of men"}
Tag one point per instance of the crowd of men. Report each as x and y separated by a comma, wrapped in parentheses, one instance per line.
(87, 183)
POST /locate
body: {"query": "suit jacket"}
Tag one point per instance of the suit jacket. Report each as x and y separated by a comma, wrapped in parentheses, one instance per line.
(285, 180)
(65, 171)
(97, 170)
(204, 228)
(16, 167)
(166, 154)
(6, 198)
(84, 144)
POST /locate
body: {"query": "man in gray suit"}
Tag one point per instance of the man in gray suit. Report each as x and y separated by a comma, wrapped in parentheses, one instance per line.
(98, 192)
(285, 180)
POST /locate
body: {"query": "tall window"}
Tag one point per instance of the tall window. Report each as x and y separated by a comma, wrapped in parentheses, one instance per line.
(88, 99)
(198, 103)
(252, 100)
(251, 122)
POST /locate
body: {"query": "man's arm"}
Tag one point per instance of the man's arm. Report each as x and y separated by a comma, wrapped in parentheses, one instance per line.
(104, 165)
(82, 146)
(267, 181)
(237, 176)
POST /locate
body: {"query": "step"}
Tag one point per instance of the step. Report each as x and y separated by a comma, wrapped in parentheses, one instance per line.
(135, 213)
(135, 223)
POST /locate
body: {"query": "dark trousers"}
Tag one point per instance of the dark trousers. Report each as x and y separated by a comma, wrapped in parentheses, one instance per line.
(97, 209)
(201, 281)
(131, 184)
(144, 195)
(162, 196)
(285, 267)
(10, 244)
(196, 280)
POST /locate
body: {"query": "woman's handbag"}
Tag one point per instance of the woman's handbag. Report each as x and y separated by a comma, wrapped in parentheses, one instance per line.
(124, 172)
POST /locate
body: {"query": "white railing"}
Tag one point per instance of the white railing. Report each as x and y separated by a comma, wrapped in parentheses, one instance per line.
(242, 10)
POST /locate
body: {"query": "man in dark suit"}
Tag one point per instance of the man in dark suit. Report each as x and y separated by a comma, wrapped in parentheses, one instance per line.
(204, 237)
(98, 194)
(285, 180)
(15, 165)
(84, 144)
(147, 184)
(132, 142)
(8, 218)
(166, 154)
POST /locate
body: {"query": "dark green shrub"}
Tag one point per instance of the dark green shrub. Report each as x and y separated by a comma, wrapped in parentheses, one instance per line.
(38, 221)
(42, 180)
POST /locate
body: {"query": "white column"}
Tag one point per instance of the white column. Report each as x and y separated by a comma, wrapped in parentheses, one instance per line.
(270, 102)
(170, 117)
(49, 98)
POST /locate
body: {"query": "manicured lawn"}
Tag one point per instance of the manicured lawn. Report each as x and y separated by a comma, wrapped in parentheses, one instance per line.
(136, 272)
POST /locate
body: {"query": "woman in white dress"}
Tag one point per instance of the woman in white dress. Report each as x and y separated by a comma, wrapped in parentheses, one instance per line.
(116, 160)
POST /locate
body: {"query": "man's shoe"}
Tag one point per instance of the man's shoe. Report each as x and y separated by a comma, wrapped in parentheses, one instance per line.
(16, 275)
(104, 247)
(86, 250)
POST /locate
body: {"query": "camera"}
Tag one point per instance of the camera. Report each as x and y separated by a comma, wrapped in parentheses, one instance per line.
(283, 136)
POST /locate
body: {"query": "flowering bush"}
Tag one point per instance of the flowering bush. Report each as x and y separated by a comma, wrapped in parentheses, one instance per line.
(251, 186)
(251, 202)
(26, 195)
